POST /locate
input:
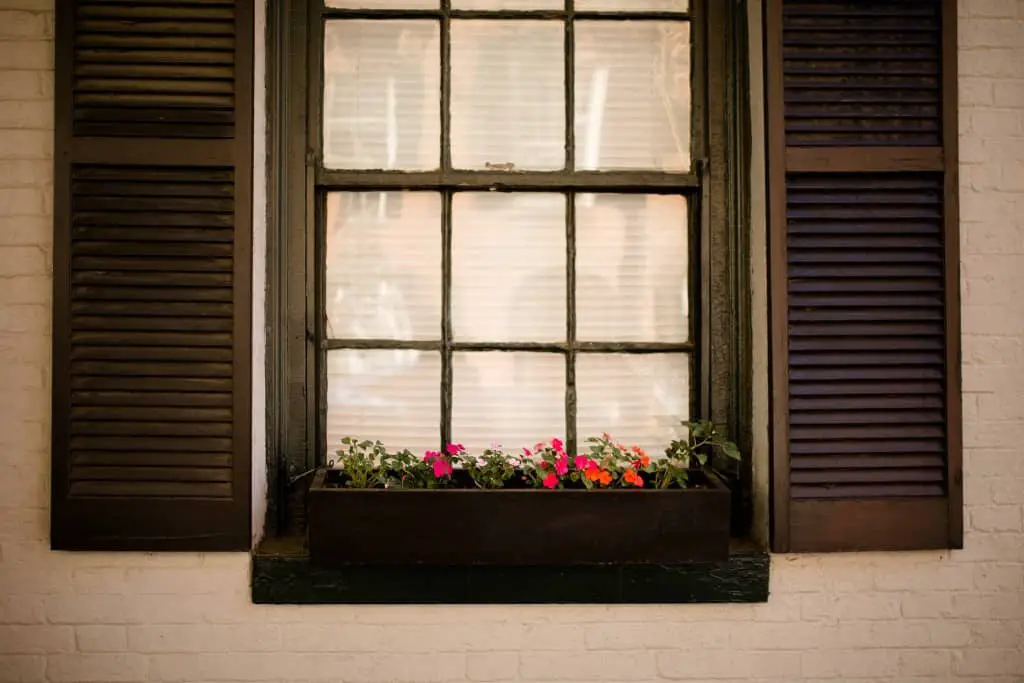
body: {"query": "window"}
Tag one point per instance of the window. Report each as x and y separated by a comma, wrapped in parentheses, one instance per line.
(590, 160)
(817, 146)
(503, 221)
(507, 222)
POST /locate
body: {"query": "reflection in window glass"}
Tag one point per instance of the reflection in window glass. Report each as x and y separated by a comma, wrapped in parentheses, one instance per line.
(382, 81)
(631, 268)
(508, 94)
(508, 267)
(383, 255)
(633, 95)
(390, 395)
(384, 4)
(508, 4)
(511, 399)
(632, 5)
(638, 398)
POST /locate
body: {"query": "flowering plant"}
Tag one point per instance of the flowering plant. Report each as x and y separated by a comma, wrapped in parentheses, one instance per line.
(491, 469)
(605, 463)
(547, 464)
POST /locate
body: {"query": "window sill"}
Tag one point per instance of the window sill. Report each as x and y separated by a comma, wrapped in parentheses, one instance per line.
(282, 574)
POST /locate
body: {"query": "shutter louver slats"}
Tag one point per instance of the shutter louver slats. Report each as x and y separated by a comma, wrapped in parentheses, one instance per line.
(151, 321)
(864, 73)
(863, 258)
(825, 215)
(155, 69)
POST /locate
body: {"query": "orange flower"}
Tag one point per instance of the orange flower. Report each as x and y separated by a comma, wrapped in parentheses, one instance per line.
(644, 460)
(630, 476)
(606, 478)
(593, 474)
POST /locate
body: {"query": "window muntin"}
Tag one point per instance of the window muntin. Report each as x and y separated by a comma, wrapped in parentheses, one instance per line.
(560, 304)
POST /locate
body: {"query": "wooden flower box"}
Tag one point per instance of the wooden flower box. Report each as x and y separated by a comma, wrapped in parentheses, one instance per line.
(468, 526)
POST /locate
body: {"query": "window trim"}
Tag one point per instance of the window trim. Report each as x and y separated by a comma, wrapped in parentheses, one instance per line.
(720, 124)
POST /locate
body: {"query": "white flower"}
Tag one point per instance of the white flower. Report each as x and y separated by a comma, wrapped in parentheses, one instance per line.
(481, 462)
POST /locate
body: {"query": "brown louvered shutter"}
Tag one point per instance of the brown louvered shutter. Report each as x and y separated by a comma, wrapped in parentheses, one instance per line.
(864, 274)
(152, 273)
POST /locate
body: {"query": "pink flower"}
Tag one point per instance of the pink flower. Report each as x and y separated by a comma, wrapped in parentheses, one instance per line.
(442, 468)
(562, 464)
(550, 481)
(580, 462)
(454, 448)
(558, 446)
(527, 453)
(431, 456)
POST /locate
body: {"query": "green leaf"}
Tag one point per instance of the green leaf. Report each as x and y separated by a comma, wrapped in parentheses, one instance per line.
(729, 448)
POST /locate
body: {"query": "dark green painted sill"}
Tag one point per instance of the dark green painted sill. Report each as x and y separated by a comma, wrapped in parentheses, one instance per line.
(281, 574)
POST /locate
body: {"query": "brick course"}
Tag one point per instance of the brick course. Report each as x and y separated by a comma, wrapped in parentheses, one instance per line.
(925, 617)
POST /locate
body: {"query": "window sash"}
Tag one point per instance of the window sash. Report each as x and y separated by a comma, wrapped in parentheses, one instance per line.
(447, 181)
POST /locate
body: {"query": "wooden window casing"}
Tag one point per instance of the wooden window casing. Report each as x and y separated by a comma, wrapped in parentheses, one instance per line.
(297, 339)
(864, 274)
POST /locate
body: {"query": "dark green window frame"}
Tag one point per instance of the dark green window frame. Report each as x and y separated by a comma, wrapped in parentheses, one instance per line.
(716, 192)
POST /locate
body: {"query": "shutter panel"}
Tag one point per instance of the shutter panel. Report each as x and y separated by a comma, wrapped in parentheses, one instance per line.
(152, 273)
(864, 274)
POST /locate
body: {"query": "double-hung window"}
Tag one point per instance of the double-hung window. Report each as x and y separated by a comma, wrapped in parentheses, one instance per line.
(507, 221)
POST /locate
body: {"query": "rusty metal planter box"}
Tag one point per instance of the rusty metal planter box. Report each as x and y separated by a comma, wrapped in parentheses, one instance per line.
(517, 526)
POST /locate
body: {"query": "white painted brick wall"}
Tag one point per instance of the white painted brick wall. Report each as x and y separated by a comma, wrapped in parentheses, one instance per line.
(922, 617)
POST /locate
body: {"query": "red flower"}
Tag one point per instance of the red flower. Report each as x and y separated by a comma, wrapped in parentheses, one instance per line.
(527, 453)
(550, 481)
(442, 468)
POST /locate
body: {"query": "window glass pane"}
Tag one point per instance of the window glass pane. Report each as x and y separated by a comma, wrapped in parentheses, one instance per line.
(383, 265)
(632, 5)
(508, 4)
(384, 4)
(514, 399)
(637, 398)
(631, 268)
(633, 95)
(393, 396)
(508, 267)
(382, 84)
(508, 94)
